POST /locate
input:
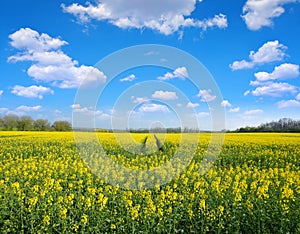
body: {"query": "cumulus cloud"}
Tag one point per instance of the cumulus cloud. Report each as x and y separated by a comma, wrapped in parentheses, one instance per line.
(1, 92)
(288, 103)
(139, 100)
(163, 16)
(192, 105)
(24, 108)
(202, 114)
(30, 40)
(75, 106)
(180, 72)
(206, 95)
(128, 78)
(100, 115)
(258, 14)
(282, 72)
(253, 112)
(20, 110)
(152, 107)
(267, 86)
(270, 51)
(234, 110)
(164, 95)
(3, 110)
(225, 103)
(273, 89)
(31, 91)
(50, 64)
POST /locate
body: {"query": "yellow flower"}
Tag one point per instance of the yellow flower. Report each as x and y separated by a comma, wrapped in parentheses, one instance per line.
(70, 198)
(160, 212)
(63, 213)
(221, 209)
(287, 193)
(32, 201)
(84, 219)
(46, 220)
(15, 186)
(75, 227)
(113, 227)
(202, 204)
(88, 202)
(60, 199)
(190, 212)
(135, 212)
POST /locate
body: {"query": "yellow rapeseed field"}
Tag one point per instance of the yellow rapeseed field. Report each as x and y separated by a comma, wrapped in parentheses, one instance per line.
(46, 187)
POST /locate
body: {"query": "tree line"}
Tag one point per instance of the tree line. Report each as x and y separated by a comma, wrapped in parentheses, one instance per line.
(26, 123)
(282, 125)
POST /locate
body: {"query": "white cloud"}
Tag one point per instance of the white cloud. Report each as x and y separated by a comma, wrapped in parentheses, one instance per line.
(58, 112)
(3, 110)
(192, 105)
(1, 92)
(180, 72)
(152, 107)
(206, 95)
(75, 106)
(139, 99)
(202, 114)
(267, 86)
(30, 40)
(128, 78)
(163, 16)
(253, 112)
(103, 116)
(151, 52)
(234, 110)
(84, 110)
(90, 111)
(164, 95)
(288, 103)
(258, 14)
(271, 51)
(255, 83)
(225, 103)
(50, 64)
(31, 91)
(274, 89)
(247, 92)
(282, 72)
(28, 108)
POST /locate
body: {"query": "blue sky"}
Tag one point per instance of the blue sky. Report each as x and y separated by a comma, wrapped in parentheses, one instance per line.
(251, 48)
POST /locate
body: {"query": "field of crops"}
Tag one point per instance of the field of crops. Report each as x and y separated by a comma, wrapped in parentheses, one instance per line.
(253, 187)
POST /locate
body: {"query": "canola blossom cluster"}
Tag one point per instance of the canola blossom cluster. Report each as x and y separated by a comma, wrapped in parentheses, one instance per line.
(47, 187)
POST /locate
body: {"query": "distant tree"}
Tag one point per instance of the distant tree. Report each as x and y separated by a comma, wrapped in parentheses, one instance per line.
(283, 125)
(41, 125)
(1, 123)
(62, 126)
(25, 123)
(10, 122)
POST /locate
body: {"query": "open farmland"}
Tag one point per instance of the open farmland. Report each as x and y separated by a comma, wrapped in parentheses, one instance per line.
(253, 187)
